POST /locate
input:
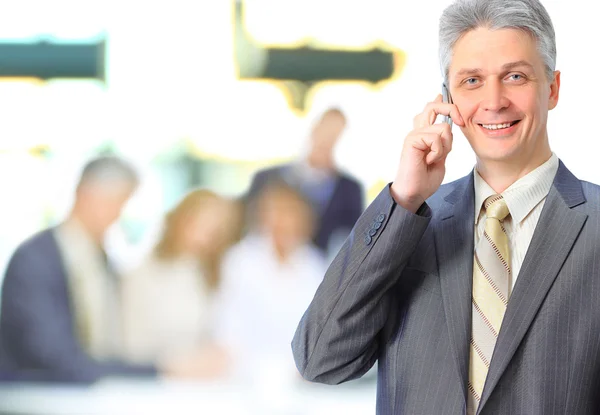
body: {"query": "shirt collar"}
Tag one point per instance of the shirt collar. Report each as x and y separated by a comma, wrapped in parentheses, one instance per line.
(524, 194)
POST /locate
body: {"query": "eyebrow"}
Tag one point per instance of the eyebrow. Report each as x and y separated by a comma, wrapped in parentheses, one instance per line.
(505, 67)
(517, 64)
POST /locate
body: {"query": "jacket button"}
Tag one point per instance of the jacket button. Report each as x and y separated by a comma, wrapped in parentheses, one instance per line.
(380, 218)
(372, 232)
(376, 225)
(368, 240)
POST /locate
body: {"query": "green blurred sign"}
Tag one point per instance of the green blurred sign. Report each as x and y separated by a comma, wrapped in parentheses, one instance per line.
(48, 60)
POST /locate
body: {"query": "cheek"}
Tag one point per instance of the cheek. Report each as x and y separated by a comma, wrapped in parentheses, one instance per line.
(109, 213)
(528, 102)
(466, 108)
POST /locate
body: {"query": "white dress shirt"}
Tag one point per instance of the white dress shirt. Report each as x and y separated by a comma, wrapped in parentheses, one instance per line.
(93, 290)
(525, 199)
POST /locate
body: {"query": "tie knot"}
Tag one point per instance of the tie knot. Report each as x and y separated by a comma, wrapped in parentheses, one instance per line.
(495, 207)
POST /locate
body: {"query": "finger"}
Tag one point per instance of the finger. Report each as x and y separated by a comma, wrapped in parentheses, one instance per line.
(454, 112)
(421, 140)
(443, 160)
(455, 115)
(444, 131)
(430, 145)
(435, 108)
(436, 149)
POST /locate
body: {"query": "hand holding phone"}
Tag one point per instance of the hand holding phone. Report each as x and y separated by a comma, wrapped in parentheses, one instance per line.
(422, 163)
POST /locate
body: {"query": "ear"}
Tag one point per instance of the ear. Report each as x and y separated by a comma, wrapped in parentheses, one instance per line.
(554, 89)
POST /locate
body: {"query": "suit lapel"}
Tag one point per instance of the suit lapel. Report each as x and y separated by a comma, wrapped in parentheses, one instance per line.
(554, 236)
(454, 247)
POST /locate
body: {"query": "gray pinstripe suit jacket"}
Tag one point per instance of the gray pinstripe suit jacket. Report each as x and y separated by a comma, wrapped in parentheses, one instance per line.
(399, 292)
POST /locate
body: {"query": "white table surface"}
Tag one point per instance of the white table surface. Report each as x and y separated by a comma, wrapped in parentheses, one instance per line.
(120, 397)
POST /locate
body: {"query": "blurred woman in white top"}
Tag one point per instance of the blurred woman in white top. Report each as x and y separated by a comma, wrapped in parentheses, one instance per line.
(269, 279)
(169, 298)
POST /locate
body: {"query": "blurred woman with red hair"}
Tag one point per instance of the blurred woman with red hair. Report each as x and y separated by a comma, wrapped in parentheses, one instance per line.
(168, 299)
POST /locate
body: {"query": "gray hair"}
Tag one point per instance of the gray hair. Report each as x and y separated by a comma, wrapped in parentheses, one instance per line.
(108, 170)
(527, 15)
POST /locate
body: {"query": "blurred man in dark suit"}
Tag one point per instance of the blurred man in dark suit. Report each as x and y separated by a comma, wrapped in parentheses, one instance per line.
(337, 197)
(59, 318)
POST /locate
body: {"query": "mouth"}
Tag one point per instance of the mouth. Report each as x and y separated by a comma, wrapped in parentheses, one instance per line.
(499, 127)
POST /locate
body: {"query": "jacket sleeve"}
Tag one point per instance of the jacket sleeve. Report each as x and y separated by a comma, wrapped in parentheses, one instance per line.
(337, 338)
(36, 327)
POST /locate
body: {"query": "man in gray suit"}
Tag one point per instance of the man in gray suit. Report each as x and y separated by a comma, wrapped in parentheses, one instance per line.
(481, 295)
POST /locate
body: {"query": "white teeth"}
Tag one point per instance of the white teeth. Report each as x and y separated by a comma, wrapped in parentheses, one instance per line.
(495, 126)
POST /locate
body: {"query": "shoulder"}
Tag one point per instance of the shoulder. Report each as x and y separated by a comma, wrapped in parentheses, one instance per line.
(348, 179)
(37, 256)
(590, 188)
(591, 192)
(42, 242)
(437, 199)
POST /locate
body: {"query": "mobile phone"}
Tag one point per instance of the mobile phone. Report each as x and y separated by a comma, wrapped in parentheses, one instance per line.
(447, 99)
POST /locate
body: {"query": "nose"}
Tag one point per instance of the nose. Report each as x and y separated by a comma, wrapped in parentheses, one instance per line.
(494, 98)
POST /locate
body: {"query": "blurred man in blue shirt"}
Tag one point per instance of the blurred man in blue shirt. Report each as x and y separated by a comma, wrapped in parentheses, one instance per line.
(337, 197)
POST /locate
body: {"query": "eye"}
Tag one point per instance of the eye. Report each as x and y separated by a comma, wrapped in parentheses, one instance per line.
(516, 77)
(472, 82)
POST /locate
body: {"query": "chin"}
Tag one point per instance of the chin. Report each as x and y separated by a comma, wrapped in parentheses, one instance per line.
(497, 153)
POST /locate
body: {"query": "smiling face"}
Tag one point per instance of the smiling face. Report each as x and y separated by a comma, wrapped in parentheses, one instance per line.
(498, 82)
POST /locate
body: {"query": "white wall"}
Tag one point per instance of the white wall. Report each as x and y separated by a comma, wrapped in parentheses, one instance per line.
(162, 89)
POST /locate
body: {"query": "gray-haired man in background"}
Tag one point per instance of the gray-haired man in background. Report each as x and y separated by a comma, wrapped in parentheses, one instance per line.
(59, 317)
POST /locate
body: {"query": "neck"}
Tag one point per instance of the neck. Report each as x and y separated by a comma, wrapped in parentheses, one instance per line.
(500, 175)
(320, 163)
(283, 249)
(282, 254)
(96, 236)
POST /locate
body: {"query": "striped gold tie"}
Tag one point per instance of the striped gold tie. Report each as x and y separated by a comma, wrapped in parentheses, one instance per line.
(491, 276)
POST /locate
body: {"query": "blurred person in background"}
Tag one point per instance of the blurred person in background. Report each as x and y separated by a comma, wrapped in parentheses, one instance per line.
(168, 299)
(59, 317)
(337, 197)
(269, 278)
